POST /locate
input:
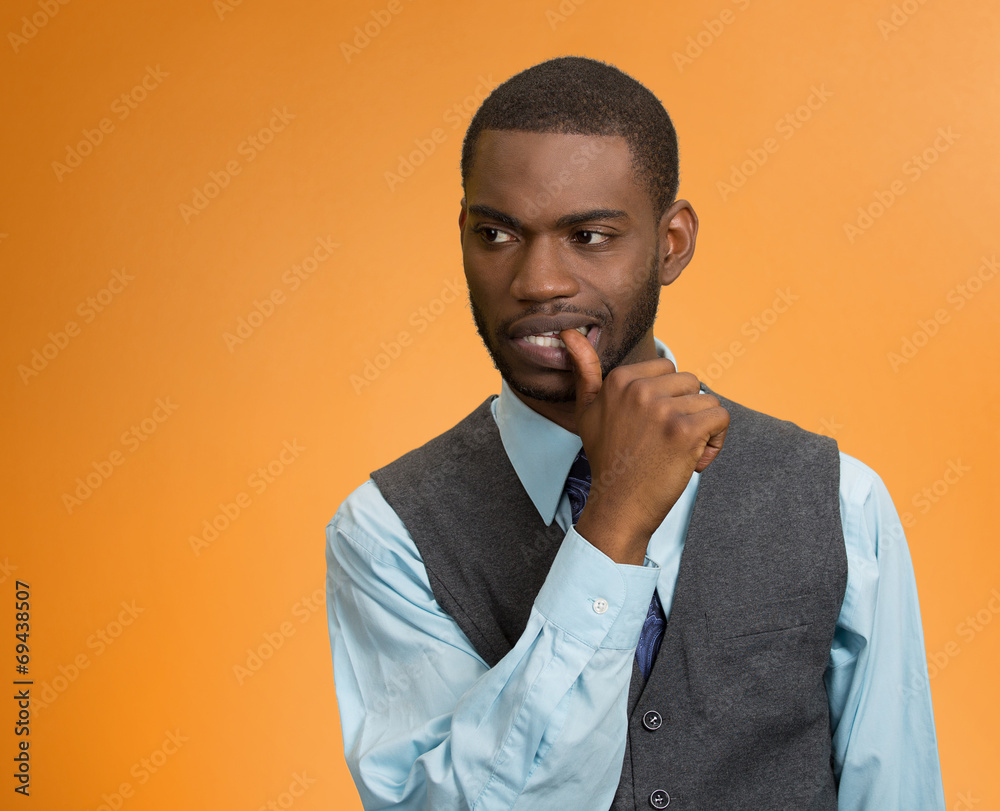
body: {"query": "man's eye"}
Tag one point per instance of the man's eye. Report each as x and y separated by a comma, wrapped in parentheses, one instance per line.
(494, 235)
(591, 237)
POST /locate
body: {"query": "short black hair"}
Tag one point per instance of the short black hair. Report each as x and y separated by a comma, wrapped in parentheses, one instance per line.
(576, 95)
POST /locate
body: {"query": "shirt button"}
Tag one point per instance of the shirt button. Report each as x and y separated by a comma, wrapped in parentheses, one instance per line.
(659, 799)
(652, 720)
(600, 605)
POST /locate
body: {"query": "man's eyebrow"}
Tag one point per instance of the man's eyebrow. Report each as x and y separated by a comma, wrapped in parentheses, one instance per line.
(491, 213)
(590, 216)
(563, 222)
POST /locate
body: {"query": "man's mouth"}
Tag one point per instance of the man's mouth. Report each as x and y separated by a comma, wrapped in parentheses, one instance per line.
(536, 339)
(553, 339)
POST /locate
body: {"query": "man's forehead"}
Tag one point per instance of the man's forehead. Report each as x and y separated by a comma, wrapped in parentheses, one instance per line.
(552, 171)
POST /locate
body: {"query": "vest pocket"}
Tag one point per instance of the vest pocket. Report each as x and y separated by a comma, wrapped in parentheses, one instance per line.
(759, 660)
(742, 622)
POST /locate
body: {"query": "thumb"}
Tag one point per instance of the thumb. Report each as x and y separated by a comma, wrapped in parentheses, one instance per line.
(586, 368)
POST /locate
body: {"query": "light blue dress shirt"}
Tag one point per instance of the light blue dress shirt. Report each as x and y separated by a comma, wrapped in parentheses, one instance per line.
(428, 725)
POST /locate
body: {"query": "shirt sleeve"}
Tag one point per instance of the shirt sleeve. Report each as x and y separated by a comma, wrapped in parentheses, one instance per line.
(884, 742)
(428, 725)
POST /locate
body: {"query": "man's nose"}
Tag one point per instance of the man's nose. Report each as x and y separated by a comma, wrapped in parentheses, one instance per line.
(543, 273)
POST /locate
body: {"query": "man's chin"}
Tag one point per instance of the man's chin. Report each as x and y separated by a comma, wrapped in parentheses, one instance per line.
(544, 394)
(543, 385)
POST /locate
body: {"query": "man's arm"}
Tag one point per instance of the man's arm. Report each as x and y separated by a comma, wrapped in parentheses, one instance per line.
(427, 724)
(884, 744)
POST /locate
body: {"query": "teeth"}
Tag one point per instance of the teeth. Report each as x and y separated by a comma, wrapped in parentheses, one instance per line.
(544, 340)
(551, 338)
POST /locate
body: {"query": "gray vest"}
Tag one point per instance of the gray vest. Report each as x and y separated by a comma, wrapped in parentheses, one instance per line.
(735, 714)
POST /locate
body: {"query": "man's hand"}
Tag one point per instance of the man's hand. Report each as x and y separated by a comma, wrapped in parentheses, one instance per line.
(645, 430)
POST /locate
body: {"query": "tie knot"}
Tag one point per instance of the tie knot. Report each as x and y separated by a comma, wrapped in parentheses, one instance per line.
(578, 484)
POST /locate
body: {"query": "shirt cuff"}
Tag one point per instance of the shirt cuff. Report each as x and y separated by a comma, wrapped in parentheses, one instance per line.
(594, 599)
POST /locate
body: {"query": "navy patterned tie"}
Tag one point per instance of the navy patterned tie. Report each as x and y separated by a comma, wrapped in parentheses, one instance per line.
(578, 488)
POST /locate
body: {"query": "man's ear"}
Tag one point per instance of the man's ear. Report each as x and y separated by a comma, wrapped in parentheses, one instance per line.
(678, 231)
(461, 220)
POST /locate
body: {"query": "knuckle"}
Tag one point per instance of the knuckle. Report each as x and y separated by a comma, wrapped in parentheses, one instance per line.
(643, 395)
(664, 408)
(616, 378)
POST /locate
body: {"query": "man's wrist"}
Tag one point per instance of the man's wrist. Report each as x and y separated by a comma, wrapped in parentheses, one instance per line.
(594, 599)
(615, 537)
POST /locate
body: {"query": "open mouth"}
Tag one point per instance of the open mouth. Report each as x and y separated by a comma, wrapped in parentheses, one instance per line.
(552, 339)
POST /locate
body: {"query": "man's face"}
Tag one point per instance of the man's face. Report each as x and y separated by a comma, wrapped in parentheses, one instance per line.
(557, 234)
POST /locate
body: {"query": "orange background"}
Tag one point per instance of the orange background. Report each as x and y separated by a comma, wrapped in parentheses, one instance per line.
(214, 75)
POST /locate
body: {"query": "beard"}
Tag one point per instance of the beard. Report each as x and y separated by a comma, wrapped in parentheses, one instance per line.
(638, 321)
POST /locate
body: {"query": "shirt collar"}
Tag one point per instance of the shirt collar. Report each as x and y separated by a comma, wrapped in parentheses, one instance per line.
(540, 451)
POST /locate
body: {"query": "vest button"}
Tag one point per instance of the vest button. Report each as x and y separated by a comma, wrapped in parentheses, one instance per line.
(659, 799)
(652, 720)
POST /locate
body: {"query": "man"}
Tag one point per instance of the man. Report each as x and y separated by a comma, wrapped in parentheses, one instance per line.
(608, 586)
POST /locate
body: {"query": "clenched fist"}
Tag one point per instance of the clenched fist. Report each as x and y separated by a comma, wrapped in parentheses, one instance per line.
(645, 430)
